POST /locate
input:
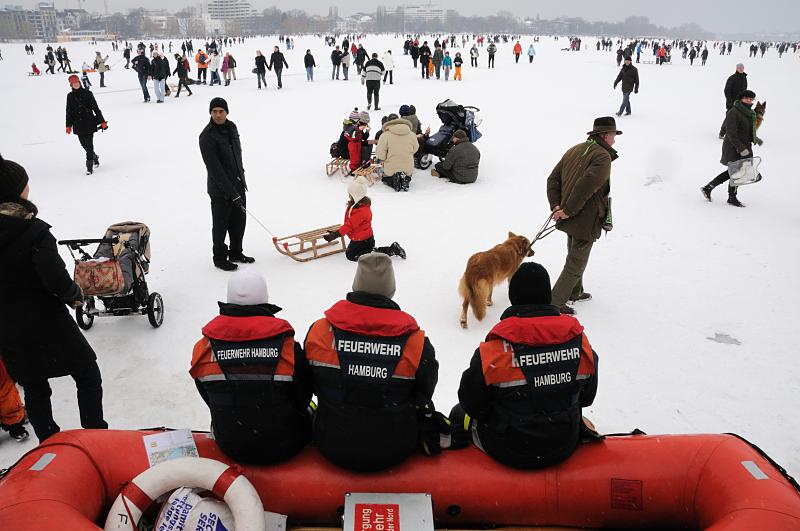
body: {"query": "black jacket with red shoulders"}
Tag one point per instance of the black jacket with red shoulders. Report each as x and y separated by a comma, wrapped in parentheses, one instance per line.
(526, 385)
(255, 380)
(373, 371)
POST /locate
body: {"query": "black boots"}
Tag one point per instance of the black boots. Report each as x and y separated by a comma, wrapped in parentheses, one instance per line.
(706, 190)
(89, 167)
(733, 201)
(397, 250)
(96, 160)
(241, 258)
(225, 265)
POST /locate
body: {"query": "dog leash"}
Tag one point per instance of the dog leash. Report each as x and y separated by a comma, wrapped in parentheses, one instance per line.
(545, 230)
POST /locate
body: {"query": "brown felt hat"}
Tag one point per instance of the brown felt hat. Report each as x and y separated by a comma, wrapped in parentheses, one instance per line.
(604, 124)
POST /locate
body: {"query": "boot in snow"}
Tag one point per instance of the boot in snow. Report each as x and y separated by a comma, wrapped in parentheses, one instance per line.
(241, 258)
(18, 432)
(96, 160)
(397, 250)
(406, 182)
(706, 190)
(89, 167)
(733, 201)
(225, 265)
(582, 297)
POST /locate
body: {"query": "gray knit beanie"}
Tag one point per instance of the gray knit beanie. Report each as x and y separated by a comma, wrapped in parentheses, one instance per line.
(375, 275)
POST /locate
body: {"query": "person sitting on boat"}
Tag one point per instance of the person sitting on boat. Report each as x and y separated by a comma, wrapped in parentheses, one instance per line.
(253, 376)
(520, 399)
(374, 373)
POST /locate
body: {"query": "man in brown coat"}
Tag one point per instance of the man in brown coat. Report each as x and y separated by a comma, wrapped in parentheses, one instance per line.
(578, 190)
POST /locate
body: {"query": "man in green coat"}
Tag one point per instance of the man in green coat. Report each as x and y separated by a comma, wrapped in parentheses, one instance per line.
(461, 163)
(578, 190)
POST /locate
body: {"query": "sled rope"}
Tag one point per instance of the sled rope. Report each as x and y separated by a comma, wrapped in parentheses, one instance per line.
(258, 221)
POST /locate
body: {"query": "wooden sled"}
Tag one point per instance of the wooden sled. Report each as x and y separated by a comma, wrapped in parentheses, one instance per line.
(309, 245)
(337, 164)
(372, 173)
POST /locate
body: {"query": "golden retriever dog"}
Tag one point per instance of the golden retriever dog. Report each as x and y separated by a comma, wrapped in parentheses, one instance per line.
(487, 269)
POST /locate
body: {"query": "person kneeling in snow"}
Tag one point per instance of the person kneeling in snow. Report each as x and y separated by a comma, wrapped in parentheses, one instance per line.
(358, 225)
(522, 405)
(253, 376)
(374, 372)
(396, 148)
(461, 163)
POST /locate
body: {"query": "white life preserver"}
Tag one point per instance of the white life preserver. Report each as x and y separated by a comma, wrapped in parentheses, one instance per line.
(224, 481)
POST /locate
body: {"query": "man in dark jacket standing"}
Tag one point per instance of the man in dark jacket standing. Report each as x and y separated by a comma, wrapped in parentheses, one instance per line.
(425, 59)
(83, 117)
(734, 86)
(740, 135)
(277, 61)
(371, 75)
(520, 399)
(38, 338)
(336, 61)
(374, 372)
(222, 154)
(629, 76)
(253, 376)
(578, 191)
(141, 64)
(461, 163)
(308, 62)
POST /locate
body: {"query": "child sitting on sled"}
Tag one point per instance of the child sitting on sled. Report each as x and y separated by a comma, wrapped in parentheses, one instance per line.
(34, 70)
(358, 145)
(358, 225)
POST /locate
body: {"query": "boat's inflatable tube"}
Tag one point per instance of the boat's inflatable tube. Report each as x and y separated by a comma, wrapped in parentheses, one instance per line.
(224, 481)
(716, 482)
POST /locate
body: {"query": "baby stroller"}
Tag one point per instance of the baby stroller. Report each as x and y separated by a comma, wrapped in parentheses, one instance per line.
(115, 275)
(453, 117)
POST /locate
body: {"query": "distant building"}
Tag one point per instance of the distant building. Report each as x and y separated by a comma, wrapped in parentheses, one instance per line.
(409, 16)
(41, 23)
(220, 14)
(44, 20)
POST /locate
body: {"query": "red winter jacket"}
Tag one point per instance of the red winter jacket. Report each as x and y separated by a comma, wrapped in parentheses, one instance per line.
(355, 141)
(357, 223)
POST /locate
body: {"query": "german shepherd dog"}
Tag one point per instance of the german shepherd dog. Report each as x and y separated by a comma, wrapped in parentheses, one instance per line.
(487, 269)
(760, 110)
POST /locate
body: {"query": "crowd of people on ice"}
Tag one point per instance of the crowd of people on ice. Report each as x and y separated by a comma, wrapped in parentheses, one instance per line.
(370, 366)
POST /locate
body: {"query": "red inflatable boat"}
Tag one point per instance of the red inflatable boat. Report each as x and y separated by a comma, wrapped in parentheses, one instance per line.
(717, 482)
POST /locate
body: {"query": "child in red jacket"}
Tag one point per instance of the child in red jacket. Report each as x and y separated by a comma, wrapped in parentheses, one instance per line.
(358, 225)
(357, 141)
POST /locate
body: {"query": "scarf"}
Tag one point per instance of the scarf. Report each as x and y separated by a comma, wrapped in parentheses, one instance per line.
(751, 114)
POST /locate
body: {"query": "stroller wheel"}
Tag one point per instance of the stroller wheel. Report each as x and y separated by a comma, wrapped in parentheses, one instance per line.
(425, 161)
(155, 310)
(84, 320)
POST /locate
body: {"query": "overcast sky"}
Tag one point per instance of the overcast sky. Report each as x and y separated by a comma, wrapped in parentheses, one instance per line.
(726, 16)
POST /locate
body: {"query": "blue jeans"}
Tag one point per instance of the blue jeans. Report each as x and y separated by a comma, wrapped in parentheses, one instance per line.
(143, 84)
(335, 72)
(626, 103)
(158, 88)
(309, 73)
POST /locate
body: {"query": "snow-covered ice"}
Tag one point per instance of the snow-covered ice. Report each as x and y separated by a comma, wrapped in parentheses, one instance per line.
(694, 304)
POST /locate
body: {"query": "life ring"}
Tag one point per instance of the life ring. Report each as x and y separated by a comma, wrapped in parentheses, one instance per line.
(224, 481)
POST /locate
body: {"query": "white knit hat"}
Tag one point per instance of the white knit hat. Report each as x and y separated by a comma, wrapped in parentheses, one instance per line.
(358, 189)
(247, 287)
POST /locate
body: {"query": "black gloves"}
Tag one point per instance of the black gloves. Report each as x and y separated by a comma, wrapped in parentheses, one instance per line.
(434, 430)
(332, 235)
